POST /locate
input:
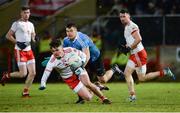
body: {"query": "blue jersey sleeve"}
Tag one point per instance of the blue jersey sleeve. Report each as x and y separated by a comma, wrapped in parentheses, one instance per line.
(65, 42)
(84, 41)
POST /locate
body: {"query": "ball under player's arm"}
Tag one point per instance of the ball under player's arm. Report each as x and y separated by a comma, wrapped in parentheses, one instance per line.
(136, 35)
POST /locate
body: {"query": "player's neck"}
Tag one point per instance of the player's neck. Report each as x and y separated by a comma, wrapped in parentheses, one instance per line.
(24, 20)
(128, 23)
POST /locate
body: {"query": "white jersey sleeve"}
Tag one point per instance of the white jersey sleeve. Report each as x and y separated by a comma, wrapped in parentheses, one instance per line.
(14, 27)
(133, 27)
(49, 67)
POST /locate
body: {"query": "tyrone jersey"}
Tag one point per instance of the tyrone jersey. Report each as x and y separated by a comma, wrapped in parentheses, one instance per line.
(128, 31)
(23, 31)
(62, 64)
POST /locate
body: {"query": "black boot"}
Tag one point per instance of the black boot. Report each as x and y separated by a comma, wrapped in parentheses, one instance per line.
(80, 100)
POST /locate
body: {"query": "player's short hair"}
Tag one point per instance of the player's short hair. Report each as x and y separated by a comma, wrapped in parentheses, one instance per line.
(71, 24)
(124, 11)
(23, 8)
(55, 43)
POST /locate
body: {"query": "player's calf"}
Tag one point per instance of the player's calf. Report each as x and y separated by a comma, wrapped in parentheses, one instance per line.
(116, 68)
(100, 86)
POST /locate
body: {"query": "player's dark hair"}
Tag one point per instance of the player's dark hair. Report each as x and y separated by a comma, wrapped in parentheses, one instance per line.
(55, 43)
(23, 8)
(124, 11)
(71, 24)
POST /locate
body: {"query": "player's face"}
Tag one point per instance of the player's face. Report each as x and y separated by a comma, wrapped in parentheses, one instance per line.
(25, 14)
(71, 32)
(57, 52)
(124, 17)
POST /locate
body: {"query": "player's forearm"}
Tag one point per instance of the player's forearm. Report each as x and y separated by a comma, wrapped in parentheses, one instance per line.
(87, 53)
(136, 35)
(45, 77)
(11, 38)
(134, 45)
(33, 37)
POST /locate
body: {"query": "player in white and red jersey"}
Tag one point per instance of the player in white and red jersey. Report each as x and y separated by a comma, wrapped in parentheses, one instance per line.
(69, 62)
(21, 33)
(138, 56)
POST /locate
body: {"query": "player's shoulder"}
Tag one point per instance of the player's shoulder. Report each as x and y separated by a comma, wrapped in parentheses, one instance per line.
(66, 39)
(68, 49)
(30, 23)
(133, 24)
(82, 35)
(15, 22)
(52, 58)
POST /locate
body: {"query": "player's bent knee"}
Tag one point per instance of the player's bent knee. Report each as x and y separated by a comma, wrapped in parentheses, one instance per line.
(32, 74)
(88, 98)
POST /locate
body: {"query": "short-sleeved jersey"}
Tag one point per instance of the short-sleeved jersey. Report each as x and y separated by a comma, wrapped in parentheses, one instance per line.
(23, 31)
(83, 41)
(62, 64)
(128, 31)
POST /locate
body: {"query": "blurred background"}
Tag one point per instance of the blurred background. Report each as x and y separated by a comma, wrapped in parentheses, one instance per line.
(158, 20)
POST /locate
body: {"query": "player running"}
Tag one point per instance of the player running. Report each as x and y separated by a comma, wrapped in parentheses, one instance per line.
(138, 58)
(21, 33)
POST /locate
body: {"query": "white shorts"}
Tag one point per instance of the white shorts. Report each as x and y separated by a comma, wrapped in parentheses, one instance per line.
(74, 83)
(141, 69)
(78, 87)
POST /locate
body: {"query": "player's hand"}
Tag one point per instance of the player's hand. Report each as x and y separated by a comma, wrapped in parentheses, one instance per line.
(79, 70)
(42, 88)
(124, 49)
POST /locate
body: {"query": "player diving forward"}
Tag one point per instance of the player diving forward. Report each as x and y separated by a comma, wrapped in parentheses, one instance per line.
(69, 64)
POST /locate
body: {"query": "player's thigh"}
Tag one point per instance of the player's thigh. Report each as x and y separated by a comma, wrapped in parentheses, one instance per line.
(31, 67)
(141, 71)
(98, 67)
(130, 67)
(84, 78)
(23, 69)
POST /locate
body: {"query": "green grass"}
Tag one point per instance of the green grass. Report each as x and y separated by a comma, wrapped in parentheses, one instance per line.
(152, 97)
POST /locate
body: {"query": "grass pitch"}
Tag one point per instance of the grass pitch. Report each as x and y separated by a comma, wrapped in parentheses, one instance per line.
(151, 97)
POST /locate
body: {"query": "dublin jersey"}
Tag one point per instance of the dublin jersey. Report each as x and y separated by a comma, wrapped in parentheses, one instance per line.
(83, 41)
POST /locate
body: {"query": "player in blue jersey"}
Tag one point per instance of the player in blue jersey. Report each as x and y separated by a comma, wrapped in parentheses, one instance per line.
(82, 42)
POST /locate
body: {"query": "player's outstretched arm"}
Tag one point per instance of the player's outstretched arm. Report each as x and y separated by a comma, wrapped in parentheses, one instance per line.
(44, 79)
